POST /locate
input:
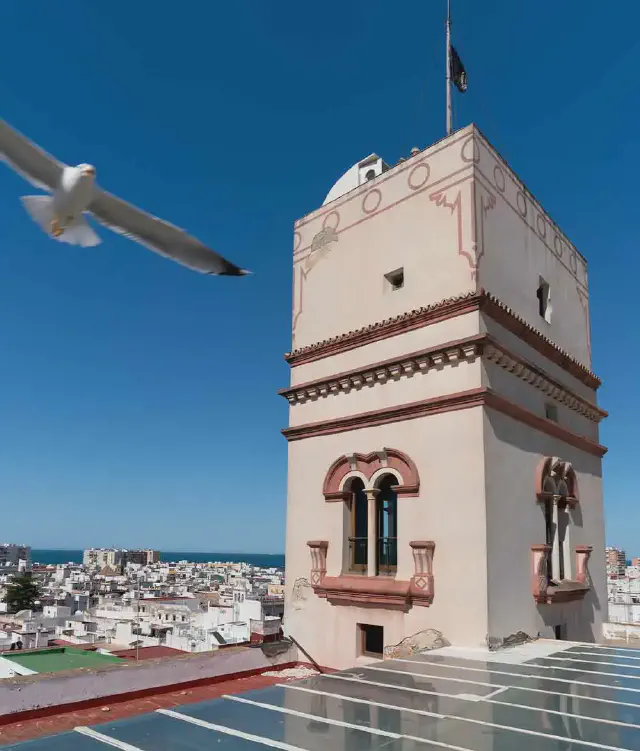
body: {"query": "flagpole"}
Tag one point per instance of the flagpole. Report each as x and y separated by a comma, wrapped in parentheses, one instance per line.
(449, 112)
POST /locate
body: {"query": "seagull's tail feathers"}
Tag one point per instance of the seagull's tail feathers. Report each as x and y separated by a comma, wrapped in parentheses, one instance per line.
(80, 233)
(40, 209)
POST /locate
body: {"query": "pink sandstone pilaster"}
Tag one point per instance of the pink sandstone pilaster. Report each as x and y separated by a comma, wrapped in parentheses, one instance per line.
(583, 553)
(318, 550)
(421, 587)
(539, 568)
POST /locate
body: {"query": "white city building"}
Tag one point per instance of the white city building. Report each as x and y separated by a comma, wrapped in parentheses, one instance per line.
(12, 555)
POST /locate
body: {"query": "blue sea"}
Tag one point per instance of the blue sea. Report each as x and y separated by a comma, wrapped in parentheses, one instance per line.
(261, 560)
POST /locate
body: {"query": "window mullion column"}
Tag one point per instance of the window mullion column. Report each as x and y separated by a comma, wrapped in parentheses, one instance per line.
(555, 550)
(372, 532)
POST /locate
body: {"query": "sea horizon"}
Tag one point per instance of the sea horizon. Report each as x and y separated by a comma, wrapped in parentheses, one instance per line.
(53, 556)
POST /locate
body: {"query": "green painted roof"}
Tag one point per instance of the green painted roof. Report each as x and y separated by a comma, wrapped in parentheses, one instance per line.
(60, 658)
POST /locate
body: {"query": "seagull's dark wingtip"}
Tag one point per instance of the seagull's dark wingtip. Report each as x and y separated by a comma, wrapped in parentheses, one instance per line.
(234, 271)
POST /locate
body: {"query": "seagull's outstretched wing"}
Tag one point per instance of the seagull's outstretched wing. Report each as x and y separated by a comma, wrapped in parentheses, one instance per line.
(158, 235)
(29, 160)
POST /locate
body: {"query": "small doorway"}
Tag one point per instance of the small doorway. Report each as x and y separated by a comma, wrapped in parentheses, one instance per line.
(560, 631)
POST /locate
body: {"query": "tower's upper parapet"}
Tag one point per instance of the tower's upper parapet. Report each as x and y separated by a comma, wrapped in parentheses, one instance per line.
(449, 219)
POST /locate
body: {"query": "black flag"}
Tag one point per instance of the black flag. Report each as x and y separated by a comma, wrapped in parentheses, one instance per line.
(458, 73)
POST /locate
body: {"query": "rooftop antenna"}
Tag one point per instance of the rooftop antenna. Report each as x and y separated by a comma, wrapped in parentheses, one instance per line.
(456, 73)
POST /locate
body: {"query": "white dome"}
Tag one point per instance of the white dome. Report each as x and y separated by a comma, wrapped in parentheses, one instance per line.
(361, 172)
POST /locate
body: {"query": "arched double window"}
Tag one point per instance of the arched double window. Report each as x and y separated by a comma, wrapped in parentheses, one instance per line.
(369, 486)
(557, 492)
(373, 526)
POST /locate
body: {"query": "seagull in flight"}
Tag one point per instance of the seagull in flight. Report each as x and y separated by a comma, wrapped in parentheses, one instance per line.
(73, 192)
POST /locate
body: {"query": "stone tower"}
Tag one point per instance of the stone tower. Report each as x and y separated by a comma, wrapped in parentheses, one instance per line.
(444, 463)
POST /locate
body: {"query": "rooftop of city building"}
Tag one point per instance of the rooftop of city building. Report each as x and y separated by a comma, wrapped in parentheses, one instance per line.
(59, 658)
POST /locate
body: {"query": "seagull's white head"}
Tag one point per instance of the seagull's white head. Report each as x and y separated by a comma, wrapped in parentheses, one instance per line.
(87, 170)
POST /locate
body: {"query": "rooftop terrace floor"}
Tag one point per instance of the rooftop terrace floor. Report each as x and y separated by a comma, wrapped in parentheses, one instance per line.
(546, 696)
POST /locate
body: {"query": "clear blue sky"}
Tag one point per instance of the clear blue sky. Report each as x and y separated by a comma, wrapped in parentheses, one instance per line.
(137, 399)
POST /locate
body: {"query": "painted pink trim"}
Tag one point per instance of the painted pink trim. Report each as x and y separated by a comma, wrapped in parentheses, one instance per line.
(480, 138)
(455, 207)
(427, 153)
(300, 254)
(555, 469)
(486, 203)
(539, 226)
(368, 465)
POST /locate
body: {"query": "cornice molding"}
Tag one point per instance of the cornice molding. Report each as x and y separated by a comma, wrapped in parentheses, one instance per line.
(441, 311)
(508, 319)
(393, 369)
(480, 397)
(435, 358)
(526, 371)
(450, 307)
(410, 411)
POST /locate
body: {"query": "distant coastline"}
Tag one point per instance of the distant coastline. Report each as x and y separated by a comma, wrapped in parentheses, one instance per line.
(261, 560)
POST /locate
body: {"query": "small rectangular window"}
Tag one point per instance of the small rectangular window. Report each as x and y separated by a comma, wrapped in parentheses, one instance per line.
(395, 279)
(544, 300)
(371, 640)
(551, 412)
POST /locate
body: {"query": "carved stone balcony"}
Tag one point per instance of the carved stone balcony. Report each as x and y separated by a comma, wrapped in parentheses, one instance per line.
(548, 591)
(375, 591)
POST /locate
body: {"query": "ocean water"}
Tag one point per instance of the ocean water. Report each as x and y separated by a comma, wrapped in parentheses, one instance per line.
(262, 560)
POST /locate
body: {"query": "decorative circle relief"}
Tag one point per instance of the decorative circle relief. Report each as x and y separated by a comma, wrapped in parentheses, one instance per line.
(573, 262)
(521, 202)
(371, 201)
(499, 178)
(541, 226)
(297, 240)
(474, 156)
(331, 220)
(557, 246)
(419, 176)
